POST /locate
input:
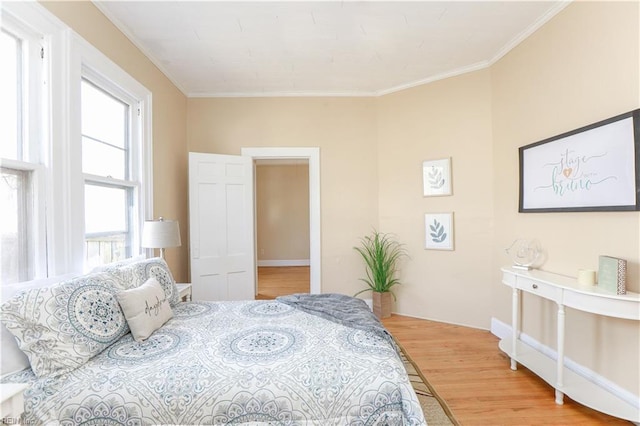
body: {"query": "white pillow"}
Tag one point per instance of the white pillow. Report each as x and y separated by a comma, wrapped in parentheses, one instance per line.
(146, 308)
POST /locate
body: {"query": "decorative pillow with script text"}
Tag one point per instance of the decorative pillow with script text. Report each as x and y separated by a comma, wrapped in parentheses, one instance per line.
(146, 308)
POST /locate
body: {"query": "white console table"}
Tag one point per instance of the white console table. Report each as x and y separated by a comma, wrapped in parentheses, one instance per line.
(566, 292)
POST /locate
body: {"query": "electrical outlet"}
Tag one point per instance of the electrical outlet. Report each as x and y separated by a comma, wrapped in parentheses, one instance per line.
(261, 251)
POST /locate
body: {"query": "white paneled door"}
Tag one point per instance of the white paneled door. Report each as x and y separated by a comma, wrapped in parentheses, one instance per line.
(221, 217)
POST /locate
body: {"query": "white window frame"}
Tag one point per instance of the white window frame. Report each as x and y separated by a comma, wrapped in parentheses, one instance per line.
(87, 62)
(60, 188)
(35, 138)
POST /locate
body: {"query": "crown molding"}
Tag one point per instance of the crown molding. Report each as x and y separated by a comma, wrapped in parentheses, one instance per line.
(557, 8)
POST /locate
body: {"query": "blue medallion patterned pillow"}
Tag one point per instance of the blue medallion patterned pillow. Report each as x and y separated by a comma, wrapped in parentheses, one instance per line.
(61, 327)
(135, 274)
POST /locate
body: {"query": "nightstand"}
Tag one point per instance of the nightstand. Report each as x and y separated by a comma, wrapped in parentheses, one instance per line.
(185, 291)
(12, 402)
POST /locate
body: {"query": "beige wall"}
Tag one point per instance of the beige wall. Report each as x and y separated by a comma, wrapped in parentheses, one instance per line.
(581, 67)
(343, 128)
(169, 117)
(449, 118)
(282, 211)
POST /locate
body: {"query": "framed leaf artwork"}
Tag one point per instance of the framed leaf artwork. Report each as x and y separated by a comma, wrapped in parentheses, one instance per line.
(438, 231)
(436, 177)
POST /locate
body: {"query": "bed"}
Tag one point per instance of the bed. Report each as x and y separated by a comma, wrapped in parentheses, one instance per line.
(299, 360)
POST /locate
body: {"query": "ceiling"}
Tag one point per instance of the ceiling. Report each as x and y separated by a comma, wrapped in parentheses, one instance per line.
(323, 48)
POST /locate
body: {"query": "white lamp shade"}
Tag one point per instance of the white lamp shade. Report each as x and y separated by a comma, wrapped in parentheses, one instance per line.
(161, 234)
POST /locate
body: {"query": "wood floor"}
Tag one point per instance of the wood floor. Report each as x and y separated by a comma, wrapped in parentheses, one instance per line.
(278, 281)
(473, 376)
(465, 366)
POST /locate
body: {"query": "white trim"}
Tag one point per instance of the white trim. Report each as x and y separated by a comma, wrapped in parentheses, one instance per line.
(360, 94)
(42, 30)
(500, 329)
(282, 263)
(59, 220)
(146, 109)
(284, 94)
(459, 71)
(89, 62)
(109, 181)
(555, 9)
(437, 320)
(33, 15)
(39, 221)
(313, 155)
(72, 174)
(101, 65)
(503, 330)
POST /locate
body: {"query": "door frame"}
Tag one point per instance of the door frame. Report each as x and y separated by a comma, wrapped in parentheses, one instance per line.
(313, 156)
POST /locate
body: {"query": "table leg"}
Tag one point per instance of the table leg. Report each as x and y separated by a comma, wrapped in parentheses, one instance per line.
(560, 363)
(515, 325)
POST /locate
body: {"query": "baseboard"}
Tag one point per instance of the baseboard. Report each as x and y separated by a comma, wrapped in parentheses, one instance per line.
(438, 320)
(294, 262)
(502, 330)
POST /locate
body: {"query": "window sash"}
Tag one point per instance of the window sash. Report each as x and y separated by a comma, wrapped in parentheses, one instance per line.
(101, 141)
(115, 244)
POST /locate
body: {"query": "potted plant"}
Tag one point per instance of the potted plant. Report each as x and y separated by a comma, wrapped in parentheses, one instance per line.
(381, 253)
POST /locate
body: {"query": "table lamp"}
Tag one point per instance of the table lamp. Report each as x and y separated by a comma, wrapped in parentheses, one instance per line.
(161, 234)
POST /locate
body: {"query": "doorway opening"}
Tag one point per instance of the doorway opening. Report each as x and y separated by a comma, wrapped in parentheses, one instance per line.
(282, 227)
(310, 156)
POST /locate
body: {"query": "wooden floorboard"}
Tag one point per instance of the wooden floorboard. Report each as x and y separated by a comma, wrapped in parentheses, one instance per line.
(469, 372)
(281, 280)
(465, 366)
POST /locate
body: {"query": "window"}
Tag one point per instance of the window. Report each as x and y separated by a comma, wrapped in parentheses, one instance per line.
(110, 188)
(113, 145)
(75, 154)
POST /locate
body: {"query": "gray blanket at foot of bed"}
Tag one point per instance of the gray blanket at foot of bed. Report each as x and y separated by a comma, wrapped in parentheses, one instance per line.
(339, 308)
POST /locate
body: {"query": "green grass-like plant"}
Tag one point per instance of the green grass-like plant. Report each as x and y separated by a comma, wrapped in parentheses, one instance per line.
(380, 253)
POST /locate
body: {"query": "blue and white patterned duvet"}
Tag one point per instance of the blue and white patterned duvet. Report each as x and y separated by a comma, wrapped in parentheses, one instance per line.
(255, 362)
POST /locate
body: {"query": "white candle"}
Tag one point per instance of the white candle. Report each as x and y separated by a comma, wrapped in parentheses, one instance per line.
(586, 277)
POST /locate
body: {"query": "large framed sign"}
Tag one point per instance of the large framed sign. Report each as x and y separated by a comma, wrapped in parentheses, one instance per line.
(594, 168)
